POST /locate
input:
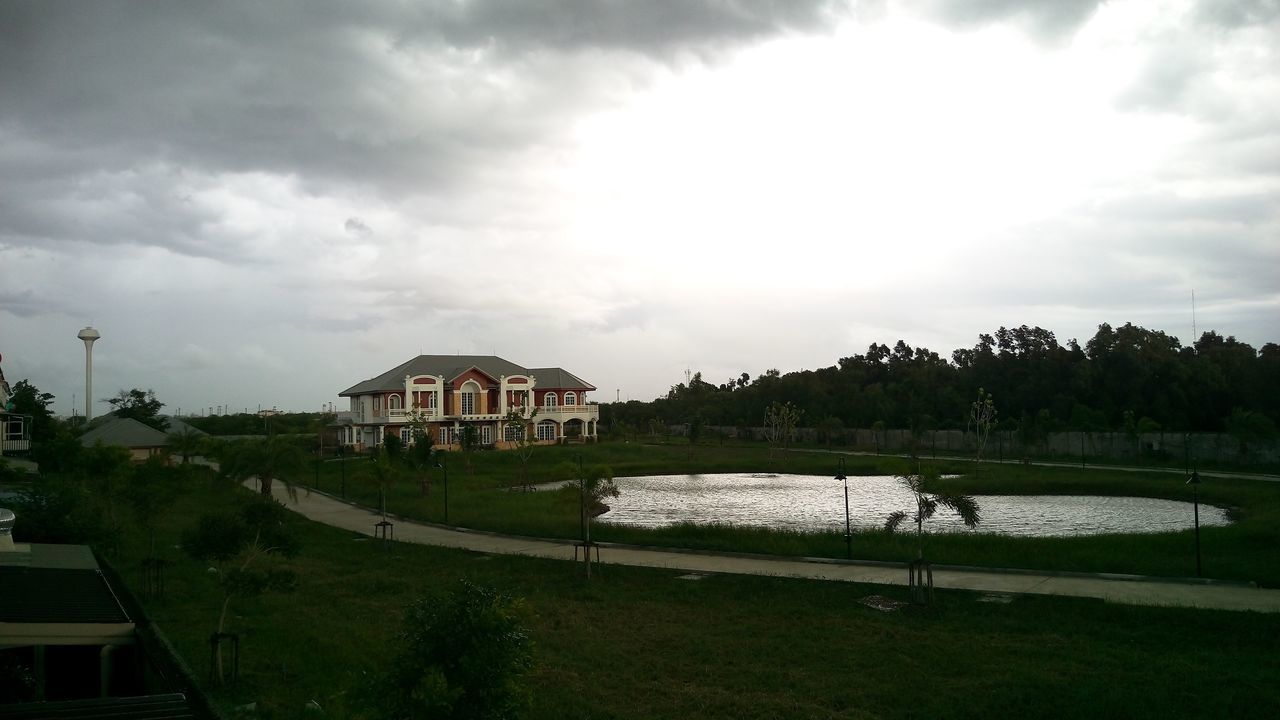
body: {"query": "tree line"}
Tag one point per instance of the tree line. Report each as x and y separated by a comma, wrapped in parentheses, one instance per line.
(1127, 379)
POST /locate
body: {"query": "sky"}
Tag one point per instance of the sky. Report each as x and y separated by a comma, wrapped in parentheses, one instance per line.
(261, 204)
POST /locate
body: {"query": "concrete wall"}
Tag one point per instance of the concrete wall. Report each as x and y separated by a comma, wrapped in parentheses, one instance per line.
(1172, 448)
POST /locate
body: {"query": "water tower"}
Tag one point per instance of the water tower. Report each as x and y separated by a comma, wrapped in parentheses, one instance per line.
(88, 335)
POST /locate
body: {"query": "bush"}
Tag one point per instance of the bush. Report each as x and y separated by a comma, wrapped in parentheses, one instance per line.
(461, 656)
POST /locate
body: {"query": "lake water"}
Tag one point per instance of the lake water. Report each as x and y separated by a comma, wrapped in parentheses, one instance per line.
(807, 502)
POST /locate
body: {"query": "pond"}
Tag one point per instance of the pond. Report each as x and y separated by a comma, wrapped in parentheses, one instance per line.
(807, 502)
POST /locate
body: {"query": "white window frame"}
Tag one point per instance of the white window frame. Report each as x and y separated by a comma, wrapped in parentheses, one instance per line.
(513, 432)
(486, 434)
(9, 432)
(446, 435)
(377, 404)
(393, 403)
(546, 430)
(550, 401)
(467, 405)
(570, 398)
(406, 435)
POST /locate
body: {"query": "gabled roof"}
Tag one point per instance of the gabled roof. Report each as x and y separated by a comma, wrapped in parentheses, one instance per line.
(125, 432)
(447, 366)
(179, 426)
(552, 378)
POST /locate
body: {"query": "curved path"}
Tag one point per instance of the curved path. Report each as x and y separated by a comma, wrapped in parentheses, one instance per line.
(1129, 589)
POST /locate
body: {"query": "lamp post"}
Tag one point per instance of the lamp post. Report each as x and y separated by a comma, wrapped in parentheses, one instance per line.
(848, 533)
(582, 503)
(1194, 482)
(445, 470)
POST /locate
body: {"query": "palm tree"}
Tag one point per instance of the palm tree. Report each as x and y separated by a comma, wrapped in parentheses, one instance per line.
(593, 487)
(186, 443)
(268, 459)
(926, 505)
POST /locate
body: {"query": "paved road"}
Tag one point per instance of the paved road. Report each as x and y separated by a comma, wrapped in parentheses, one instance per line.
(1120, 589)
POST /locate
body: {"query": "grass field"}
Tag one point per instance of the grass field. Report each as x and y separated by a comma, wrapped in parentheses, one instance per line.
(642, 643)
(481, 499)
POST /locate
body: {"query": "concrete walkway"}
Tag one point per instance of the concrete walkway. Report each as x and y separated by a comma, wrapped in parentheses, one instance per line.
(1134, 590)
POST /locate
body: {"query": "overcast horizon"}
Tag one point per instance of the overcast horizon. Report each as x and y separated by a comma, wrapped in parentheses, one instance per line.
(262, 204)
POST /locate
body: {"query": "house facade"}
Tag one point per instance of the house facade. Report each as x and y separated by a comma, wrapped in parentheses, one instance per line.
(442, 395)
(15, 428)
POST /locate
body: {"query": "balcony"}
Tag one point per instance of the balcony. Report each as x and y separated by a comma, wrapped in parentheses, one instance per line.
(569, 412)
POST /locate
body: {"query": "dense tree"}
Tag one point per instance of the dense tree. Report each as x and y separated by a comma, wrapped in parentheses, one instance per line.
(28, 400)
(1037, 383)
(141, 406)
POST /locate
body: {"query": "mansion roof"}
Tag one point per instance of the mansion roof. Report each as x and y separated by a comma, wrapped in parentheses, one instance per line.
(451, 366)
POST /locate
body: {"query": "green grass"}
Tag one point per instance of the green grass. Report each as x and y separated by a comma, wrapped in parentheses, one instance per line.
(640, 643)
(481, 499)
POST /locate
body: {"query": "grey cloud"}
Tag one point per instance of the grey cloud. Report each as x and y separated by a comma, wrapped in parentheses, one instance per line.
(328, 87)
(1234, 209)
(23, 303)
(357, 227)
(1048, 20)
(656, 26)
(1238, 13)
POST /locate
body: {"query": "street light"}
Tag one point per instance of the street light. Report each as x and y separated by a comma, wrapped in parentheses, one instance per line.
(848, 533)
(342, 453)
(445, 470)
(1194, 482)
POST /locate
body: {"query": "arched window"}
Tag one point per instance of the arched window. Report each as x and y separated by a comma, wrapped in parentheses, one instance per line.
(570, 398)
(549, 400)
(393, 402)
(546, 430)
(469, 392)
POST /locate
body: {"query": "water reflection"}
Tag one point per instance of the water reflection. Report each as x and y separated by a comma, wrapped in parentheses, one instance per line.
(807, 502)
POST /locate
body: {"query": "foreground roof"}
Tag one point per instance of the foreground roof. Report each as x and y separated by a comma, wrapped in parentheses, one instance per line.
(451, 366)
(172, 706)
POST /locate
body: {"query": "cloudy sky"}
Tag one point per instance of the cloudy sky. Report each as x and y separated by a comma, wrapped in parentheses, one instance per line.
(264, 203)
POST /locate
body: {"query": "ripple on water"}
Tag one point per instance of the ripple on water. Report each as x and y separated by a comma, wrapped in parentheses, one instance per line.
(807, 502)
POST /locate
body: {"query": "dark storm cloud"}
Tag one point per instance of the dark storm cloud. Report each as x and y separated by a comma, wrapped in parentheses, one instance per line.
(401, 97)
(653, 27)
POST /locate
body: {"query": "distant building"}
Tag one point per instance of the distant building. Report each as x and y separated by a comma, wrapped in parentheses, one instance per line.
(142, 441)
(447, 393)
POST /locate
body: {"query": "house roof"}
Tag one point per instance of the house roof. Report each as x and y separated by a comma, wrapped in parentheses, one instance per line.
(177, 425)
(125, 432)
(451, 366)
(55, 584)
(558, 378)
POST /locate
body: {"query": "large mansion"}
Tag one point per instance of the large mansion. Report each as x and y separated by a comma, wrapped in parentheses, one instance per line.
(445, 393)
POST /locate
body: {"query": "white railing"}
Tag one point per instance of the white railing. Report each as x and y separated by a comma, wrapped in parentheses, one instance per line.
(590, 412)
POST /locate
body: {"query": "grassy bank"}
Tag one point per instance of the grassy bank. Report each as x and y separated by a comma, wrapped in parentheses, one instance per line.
(481, 498)
(642, 643)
